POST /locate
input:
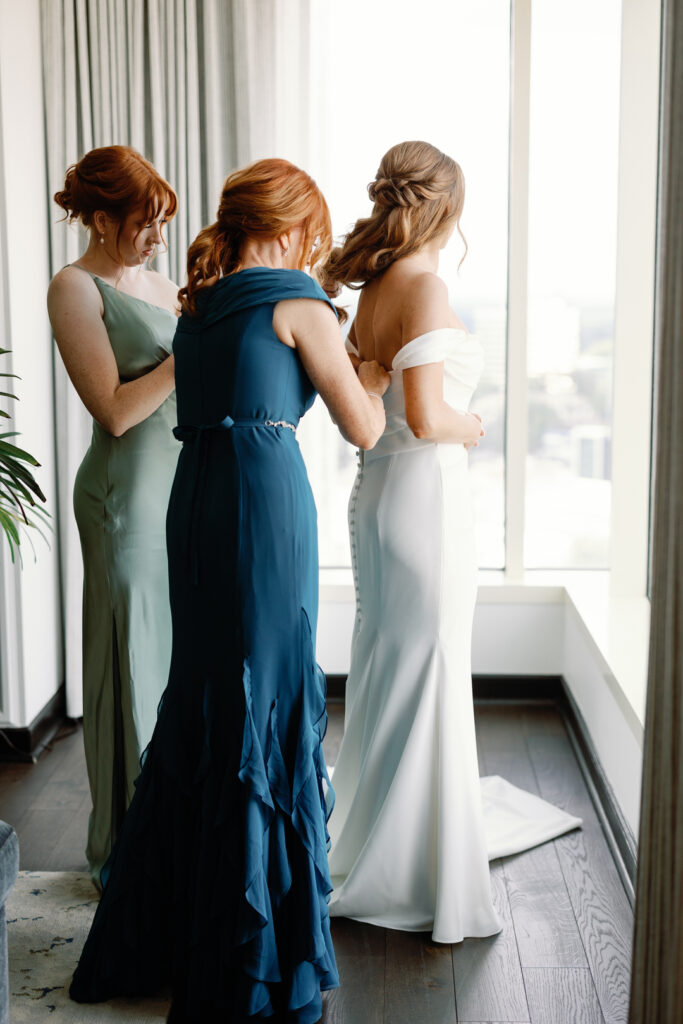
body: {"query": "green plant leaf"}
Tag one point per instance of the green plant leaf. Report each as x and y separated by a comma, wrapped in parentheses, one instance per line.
(12, 499)
(22, 479)
(18, 453)
(37, 528)
(14, 484)
(9, 526)
(17, 468)
(18, 487)
(43, 514)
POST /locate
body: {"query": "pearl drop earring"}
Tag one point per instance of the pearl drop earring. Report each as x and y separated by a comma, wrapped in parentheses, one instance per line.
(101, 239)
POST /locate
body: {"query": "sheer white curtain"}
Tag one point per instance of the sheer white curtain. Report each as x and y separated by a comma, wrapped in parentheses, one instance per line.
(192, 85)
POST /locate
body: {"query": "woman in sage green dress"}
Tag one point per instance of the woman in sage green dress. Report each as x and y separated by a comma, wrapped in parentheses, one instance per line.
(114, 322)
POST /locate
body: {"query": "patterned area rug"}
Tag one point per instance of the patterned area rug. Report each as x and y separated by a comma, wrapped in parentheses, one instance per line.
(48, 917)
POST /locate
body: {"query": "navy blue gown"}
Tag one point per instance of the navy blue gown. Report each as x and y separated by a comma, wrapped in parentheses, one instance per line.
(218, 884)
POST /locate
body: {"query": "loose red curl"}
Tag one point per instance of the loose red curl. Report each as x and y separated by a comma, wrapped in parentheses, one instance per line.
(263, 201)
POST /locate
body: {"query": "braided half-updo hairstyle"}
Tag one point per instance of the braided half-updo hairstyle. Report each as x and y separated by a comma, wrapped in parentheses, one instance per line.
(417, 192)
(262, 201)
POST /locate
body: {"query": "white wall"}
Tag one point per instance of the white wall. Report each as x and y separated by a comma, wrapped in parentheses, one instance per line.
(523, 638)
(518, 630)
(546, 630)
(615, 730)
(30, 644)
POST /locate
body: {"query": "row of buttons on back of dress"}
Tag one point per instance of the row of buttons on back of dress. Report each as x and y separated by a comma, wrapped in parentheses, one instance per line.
(352, 535)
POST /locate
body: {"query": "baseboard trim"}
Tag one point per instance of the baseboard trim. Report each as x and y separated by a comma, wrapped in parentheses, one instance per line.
(517, 688)
(486, 687)
(28, 742)
(620, 838)
(336, 687)
(554, 690)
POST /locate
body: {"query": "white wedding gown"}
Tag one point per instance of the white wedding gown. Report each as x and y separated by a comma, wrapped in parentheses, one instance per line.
(414, 826)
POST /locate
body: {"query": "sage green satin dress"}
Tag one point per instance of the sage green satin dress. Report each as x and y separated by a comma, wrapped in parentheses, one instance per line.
(120, 499)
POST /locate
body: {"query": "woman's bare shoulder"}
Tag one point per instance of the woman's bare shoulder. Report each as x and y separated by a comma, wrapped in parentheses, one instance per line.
(424, 305)
(425, 287)
(73, 283)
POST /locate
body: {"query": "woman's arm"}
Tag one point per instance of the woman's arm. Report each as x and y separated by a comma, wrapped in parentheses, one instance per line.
(75, 308)
(425, 308)
(428, 416)
(311, 327)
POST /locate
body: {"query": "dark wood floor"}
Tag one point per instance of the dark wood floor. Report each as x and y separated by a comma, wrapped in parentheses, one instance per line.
(563, 956)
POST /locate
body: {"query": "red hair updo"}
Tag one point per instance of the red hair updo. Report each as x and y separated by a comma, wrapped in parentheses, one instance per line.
(117, 180)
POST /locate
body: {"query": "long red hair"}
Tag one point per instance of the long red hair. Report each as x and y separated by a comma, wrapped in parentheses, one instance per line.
(263, 201)
(117, 180)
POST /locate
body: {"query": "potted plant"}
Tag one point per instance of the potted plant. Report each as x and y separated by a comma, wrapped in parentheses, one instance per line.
(18, 488)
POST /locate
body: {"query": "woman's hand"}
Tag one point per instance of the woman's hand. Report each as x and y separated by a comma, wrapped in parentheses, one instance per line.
(477, 431)
(373, 377)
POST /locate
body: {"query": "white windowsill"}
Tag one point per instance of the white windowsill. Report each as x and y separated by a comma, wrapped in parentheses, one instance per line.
(617, 628)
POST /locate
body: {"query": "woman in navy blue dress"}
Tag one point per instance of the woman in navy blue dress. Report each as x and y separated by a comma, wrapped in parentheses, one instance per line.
(219, 883)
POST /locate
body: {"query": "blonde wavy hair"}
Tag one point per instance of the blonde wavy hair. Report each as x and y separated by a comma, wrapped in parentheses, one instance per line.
(417, 192)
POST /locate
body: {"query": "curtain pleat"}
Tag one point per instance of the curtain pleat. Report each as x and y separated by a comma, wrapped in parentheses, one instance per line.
(657, 987)
(72, 423)
(174, 79)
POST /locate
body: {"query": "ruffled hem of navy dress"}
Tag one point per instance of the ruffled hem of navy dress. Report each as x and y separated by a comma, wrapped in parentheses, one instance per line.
(203, 915)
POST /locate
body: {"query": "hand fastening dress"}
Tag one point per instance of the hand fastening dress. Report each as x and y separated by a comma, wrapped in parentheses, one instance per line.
(219, 881)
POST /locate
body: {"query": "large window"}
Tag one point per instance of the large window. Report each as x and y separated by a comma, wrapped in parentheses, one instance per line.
(574, 142)
(382, 75)
(386, 75)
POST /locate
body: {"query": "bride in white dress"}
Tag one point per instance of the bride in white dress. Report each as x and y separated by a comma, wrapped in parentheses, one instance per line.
(414, 826)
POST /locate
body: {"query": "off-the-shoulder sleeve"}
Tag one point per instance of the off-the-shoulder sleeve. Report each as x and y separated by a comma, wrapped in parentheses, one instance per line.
(432, 347)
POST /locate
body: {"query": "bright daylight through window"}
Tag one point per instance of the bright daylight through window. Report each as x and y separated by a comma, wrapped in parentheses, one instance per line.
(445, 77)
(572, 265)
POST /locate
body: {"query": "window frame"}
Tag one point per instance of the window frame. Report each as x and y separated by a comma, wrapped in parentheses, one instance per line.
(634, 292)
(639, 104)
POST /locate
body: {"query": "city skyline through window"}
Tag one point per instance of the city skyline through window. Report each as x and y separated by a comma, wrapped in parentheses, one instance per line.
(444, 78)
(383, 76)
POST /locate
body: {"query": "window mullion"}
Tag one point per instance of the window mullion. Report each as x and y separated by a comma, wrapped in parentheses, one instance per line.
(518, 239)
(634, 299)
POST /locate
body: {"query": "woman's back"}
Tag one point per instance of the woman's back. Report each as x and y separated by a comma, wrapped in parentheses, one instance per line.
(405, 301)
(229, 358)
